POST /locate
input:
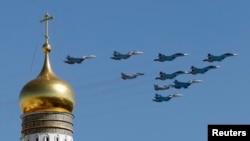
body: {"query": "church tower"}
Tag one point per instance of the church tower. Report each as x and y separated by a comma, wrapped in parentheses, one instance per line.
(47, 103)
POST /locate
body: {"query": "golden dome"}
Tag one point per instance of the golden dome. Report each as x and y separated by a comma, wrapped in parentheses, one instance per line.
(47, 92)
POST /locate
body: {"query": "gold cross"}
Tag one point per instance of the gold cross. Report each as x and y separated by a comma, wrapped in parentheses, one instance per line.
(46, 19)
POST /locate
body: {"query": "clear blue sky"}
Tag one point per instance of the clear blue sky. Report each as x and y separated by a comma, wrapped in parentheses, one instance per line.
(109, 108)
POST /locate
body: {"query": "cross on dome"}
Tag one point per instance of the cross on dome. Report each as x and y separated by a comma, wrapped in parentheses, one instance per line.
(46, 20)
(46, 45)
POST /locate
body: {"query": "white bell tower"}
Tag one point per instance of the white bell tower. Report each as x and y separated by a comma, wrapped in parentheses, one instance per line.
(47, 103)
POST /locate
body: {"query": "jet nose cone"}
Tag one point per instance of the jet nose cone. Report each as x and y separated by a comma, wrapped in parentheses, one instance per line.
(137, 52)
(177, 95)
(217, 66)
(230, 54)
(91, 56)
(197, 81)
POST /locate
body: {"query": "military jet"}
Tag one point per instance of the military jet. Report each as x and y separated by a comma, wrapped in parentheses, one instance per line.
(120, 56)
(195, 70)
(178, 84)
(165, 76)
(160, 98)
(130, 76)
(165, 87)
(73, 60)
(163, 58)
(214, 58)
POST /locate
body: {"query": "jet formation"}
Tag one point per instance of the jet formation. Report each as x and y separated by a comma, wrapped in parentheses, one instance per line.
(177, 84)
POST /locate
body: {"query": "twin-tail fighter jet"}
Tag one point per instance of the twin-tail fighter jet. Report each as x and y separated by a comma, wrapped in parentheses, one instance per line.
(130, 76)
(217, 58)
(120, 56)
(165, 76)
(160, 98)
(196, 70)
(179, 84)
(163, 58)
(165, 87)
(77, 60)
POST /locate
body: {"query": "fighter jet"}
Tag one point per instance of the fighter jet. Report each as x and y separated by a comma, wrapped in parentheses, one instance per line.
(165, 76)
(214, 58)
(195, 70)
(120, 56)
(73, 60)
(178, 84)
(165, 87)
(130, 76)
(163, 58)
(160, 98)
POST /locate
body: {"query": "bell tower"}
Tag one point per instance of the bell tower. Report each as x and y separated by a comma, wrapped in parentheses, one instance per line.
(47, 102)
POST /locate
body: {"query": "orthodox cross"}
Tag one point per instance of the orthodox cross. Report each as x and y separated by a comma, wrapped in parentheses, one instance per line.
(46, 19)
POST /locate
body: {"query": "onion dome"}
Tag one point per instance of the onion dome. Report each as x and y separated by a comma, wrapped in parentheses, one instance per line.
(47, 92)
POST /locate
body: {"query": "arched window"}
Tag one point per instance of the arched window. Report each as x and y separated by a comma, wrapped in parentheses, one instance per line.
(57, 138)
(46, 138)
(37, 138)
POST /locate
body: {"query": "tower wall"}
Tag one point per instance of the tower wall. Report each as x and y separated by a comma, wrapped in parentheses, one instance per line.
(47, 126)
